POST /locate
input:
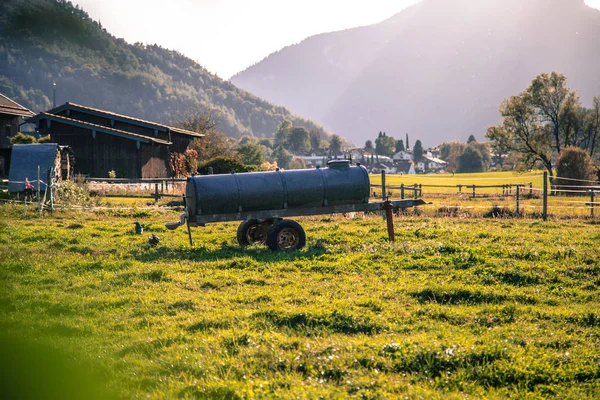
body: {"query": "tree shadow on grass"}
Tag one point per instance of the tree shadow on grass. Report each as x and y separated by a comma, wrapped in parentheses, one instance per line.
(242, 257)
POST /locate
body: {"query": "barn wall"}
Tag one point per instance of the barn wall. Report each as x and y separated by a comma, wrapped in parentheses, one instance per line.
(9, 126)
(155, 161)
(96, 157)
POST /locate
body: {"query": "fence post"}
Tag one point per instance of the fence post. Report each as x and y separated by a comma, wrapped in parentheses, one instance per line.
(517, 197)
(459, 188)
(592, 203)
(545, 197)
(38, 193)
(473, 192)
(415, 190)
(49, 187)
(402, 191)
(383, 190)
(420, 190)
(156, 195)
(530, 190)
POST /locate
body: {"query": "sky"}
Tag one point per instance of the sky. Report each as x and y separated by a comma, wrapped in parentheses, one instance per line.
(226, 36)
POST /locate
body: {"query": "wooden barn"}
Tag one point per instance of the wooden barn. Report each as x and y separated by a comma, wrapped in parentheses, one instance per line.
(11, 114)
(104, 141)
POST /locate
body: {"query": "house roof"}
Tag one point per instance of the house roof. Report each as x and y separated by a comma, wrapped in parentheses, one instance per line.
(125, 118)
(11, 107)
(435, 160)
(24, 162)
(98, 128)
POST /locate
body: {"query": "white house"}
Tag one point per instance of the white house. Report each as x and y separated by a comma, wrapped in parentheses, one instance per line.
(430, 163)
(404, 155)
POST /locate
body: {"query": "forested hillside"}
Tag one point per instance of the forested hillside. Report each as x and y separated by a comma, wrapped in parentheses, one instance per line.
(438, 70)
(46, 41)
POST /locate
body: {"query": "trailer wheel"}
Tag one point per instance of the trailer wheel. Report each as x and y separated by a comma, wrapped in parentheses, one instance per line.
(286, 235)
(251, 232)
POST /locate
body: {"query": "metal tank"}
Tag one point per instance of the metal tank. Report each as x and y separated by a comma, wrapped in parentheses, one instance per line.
(339, 184)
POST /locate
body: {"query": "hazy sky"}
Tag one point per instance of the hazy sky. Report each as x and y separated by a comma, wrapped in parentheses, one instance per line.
(226, 36)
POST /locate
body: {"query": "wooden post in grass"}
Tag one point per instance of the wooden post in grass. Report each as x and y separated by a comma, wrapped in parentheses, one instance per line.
(402, 191)
(389, 216)
(545, 197)
(383, 190)
(530, 190)
(459, 188)
(38, 193)
(156, 195)
(473, 192)
(517, 197)
(416, 191)
(592, 203)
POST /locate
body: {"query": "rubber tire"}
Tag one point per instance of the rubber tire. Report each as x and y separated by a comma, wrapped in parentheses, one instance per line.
(277, 227)
(242, 232)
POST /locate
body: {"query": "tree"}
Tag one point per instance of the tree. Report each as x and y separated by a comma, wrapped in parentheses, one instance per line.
(283, 133)
(592, 127)
(450, 152)
(223, 165)
(369, 146)
(575, 163)
(407, 144)
(418, 151)
(21, 138)
(555, 104)
(214, 143)
(521, 131)
(399, 145)
(471, 160)
(251, 154)
(335, 145)
(385, 146)
(299, 140)
(482, 148)
(283, 157)
(315, 141)
(471, 139)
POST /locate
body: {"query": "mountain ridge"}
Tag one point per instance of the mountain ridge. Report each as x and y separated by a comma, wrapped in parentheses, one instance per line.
(437, 70)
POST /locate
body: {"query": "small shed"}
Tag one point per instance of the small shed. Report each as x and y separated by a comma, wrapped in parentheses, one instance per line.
(50, 157)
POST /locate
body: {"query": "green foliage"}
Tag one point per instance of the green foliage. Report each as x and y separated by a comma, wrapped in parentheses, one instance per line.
(385, 145)
(418, 151)
(470, 160)
(46, 40)
(299, 140)
(399, 146)
(575, 163)
(369, 146)
(44, 139)
(21, 138)
(224, 165)
(335, 145)
(72, 193)
(471, 139)
(282, 157)
(250, 154)
(112, 174)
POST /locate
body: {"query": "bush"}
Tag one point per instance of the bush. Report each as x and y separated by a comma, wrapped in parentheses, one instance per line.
(224, 165)
(574, 163)
(69, 192)
(21, 138)
(44, 139)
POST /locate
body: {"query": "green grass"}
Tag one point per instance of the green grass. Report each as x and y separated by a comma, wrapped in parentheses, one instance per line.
(456, 307)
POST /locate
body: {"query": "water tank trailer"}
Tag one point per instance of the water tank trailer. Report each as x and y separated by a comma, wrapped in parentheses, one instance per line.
(263, 201)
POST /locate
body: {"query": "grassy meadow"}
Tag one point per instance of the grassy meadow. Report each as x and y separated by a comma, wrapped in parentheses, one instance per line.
(461, 307)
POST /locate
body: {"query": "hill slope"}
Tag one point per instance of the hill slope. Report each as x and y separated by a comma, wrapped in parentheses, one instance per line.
(438, 70)
(42, 41)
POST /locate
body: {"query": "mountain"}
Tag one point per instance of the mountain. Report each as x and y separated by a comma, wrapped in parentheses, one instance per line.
(46, 41)
(437, 70)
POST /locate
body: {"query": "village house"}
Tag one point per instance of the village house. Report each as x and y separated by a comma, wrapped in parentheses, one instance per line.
(11, 116)
(431, 164)
(103, 141)
(403, 155)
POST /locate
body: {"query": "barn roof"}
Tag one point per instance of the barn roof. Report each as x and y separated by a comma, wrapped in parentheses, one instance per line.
(24, 162)
(98, 128)
(11, 107)
(125, 118)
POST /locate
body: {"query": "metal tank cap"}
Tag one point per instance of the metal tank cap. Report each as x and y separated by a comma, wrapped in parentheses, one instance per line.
(338, 164)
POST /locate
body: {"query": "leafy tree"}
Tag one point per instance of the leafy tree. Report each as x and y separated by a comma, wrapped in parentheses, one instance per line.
(450, 152)
(399, 146)
(21, 138)
(299, 140)
(297, 163)
(266, 142)
(575, 163)
(471, 139)
(385, 145)
(522, 132)
(283, 133)
(483, 149)
(418, 151)
(250, 154)
(283, 157)
(315, 141)
(470, 160)
(407, 143)
(335, 145)
(369, 146)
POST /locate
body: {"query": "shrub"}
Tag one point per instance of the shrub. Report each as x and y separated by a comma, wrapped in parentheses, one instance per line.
(44, 139)
(574, 163)
(21, 138)
(69, 192)
(224, 165)
(112, 174)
